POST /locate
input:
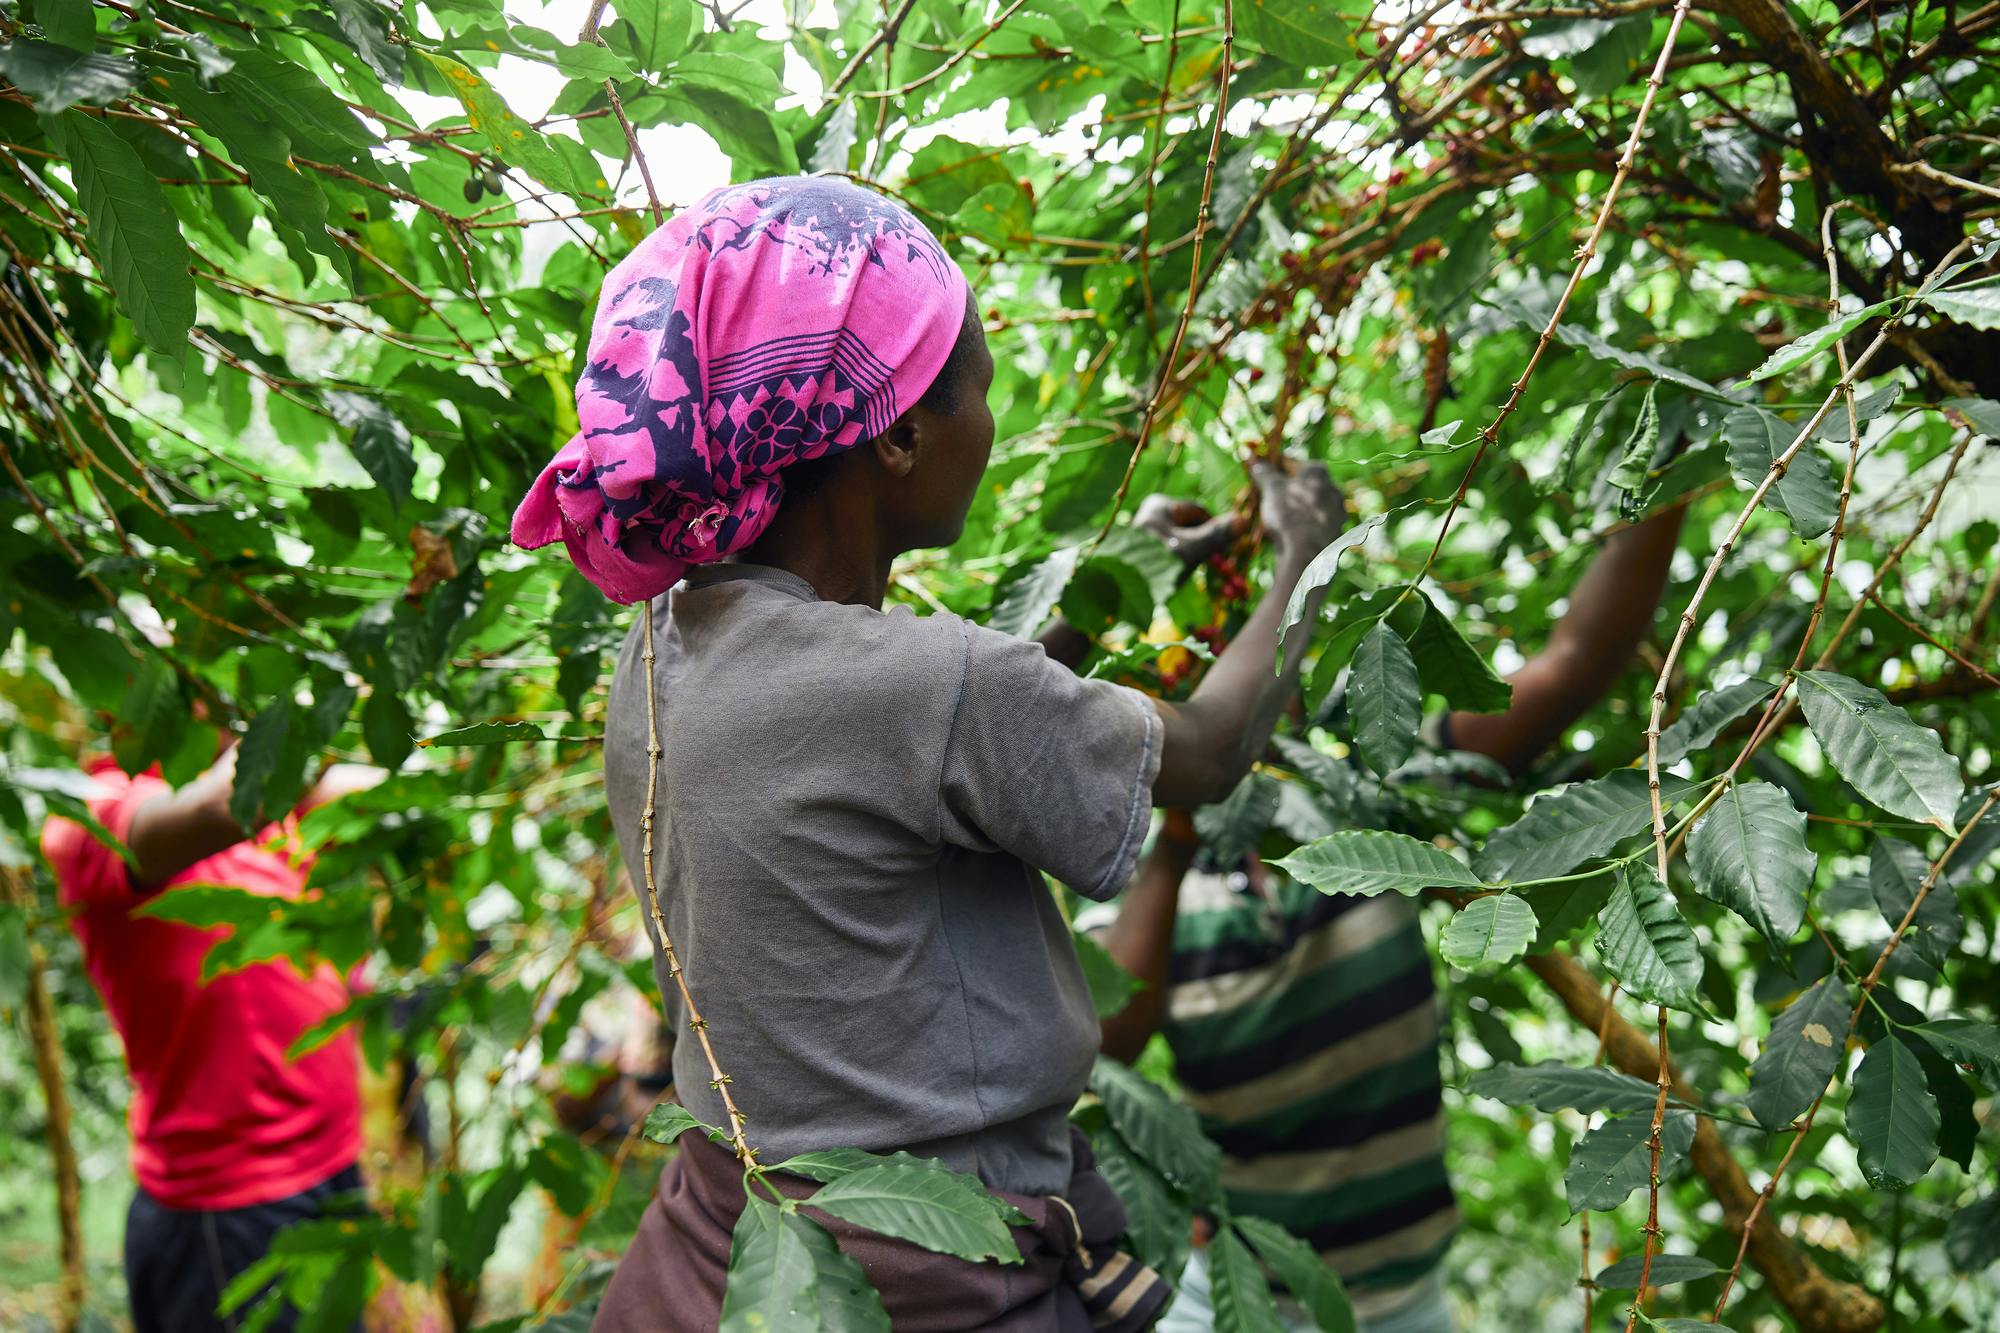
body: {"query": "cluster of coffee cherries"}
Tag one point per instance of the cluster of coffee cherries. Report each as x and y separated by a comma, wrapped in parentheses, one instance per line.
(483, 182)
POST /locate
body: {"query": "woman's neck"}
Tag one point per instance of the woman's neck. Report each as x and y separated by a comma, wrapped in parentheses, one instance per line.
(831, 545)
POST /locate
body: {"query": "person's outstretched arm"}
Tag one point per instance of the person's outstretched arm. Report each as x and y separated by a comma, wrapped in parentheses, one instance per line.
(1609, 612)
(1142, 936)
(173, 830)
(1213, 737)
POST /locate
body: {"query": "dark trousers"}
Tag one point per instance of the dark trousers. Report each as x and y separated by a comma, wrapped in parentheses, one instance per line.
(178, 1261)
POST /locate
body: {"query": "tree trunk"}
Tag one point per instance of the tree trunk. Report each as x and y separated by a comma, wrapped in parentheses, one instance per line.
(1820, 1304)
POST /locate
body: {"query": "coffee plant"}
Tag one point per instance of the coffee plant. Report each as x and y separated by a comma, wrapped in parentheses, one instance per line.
(292, 298)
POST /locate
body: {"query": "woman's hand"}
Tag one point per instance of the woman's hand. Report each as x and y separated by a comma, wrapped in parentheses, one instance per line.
(1186, 526)
(1303, 509)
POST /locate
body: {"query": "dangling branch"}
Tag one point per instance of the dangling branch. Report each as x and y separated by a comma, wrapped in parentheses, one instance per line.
(696, 1023)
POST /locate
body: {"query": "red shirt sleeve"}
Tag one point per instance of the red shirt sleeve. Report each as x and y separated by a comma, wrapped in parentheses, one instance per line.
(86, 870)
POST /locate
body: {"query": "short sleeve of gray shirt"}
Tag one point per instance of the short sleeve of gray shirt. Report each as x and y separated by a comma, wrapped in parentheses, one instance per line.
(1050, 767)
(852, 806)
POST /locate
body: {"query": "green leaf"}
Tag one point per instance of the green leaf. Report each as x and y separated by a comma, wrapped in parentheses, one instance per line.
(1297, 32)
(1452, 668)
(786, 1272)
(151, 718)
(1562, 829)
(1111, 986)
(1704, 721)
(1667, 1270)
(365, 25)
(1488, 931)
(1615, 1158)
(942, 1211)
(264, 150)
(66, 23)
(1965, 1042)
(385, 725)
(1983, 413)
(1892, 1116)
(1633, 472)
(1163, 1132)
(1241, 1295)
(1368, 862)
(1977, 307)
(257, 767)
(1807, 493)
(1157, 1221)
(1232, 827)
(1749, 854)
(512, 139)
(380, 442)
(1553, 1086)
(654, 34)
(1646, 944)
(1318, 573)
(831, 1164)
(1801, 350)
(1973, 1238)
(1807, 1043)
(137, 242)
(1031, 599)
(571, 1175)
(1385, 697)
(1313, 1284)
(1889, 759)
(58, 77)
(667, 1121)
(1896, 871)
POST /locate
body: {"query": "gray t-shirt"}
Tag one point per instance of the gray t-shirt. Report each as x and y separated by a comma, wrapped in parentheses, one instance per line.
(851, 810)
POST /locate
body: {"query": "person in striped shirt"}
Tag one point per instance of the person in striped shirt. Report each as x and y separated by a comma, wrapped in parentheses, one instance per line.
(1305, 1026)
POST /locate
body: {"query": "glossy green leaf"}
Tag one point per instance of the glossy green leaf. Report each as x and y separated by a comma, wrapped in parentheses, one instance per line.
(57, 77)
(1310, 1280)
(1977, 307)
(1896, 874)
(1111, 986)
(1488, 931)
(785, 1272)
(1319, 572)
(1032, 599)
(1453, 668)
(1807, 493)
(1892, 1116)
(1298, 32)
(1616, 1157)
(939, 1210)
(1889, 759)
(1807, 1045)
(1563, 829)
(1706, 718)
(1816, 344)
(1238, 1289)
(132, 232)
(1749, 854)
(1553, 1086)
(1668, 1270)
(1385, 697)
(1965, 1042)
(1164, 1133)
(1371, 862)
(1647, 945)
(380, 443)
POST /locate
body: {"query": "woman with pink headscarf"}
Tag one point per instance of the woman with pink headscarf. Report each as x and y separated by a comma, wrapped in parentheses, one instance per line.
(785, 389)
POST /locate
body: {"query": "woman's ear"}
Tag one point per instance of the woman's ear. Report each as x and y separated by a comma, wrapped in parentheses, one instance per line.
(896, 447)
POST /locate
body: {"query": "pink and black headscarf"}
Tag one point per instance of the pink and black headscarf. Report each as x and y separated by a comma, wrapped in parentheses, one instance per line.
(770, 323)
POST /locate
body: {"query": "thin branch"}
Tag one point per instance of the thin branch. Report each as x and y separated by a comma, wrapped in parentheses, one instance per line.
(1166, 369)
(886, 33)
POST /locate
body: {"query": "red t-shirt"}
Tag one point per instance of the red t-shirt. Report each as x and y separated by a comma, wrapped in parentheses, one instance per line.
(220, 1118)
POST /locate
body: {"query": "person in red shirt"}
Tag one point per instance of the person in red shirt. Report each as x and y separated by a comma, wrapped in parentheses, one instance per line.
(231, 1140)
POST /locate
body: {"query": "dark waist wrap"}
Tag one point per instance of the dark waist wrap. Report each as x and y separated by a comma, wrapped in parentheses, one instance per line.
(1072, 1278)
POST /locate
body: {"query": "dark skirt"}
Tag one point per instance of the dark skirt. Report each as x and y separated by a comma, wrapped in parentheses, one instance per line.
(671, 1279)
